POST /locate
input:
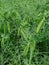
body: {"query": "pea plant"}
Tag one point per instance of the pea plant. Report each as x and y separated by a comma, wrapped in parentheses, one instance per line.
(24, 32)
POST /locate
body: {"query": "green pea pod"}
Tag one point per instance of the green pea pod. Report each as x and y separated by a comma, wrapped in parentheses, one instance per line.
(32, 48)
(8, 26)
(40, 25)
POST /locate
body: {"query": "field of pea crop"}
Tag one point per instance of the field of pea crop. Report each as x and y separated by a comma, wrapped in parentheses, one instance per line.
(24, 32)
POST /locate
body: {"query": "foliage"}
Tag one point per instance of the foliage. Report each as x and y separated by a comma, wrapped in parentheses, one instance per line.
(24, 32)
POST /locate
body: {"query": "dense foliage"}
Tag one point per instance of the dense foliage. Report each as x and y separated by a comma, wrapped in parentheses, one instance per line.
(24, 32)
